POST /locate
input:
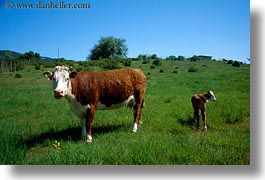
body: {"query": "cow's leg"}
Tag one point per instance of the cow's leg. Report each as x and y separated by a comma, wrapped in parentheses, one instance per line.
(203, 111)
(138, 109)
(89, 122)
(197, 117)
(83, 122)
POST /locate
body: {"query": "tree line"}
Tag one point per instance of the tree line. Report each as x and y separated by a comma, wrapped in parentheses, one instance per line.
(10, 63)
(108, 48)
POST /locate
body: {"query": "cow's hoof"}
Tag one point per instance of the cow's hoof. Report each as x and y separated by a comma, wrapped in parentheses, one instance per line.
(205, 128)
(89, 139)
(134, 130)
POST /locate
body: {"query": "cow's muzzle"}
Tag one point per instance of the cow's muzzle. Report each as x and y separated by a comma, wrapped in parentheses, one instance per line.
(58, 94)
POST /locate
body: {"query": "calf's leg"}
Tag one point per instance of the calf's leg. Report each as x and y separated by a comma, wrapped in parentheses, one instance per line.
(203, 111)
(197, 117)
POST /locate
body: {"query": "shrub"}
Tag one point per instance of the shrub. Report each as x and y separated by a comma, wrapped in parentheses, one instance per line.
(175, 71)
(236, 64)
(18, 75)
(145, 61)
(192, 69)
(127, 62)
(161, 70)
(111, 64)
(229, 62)
(167, 100)
(79, 69)
(152, 67)
(37, 66)
(157, 62)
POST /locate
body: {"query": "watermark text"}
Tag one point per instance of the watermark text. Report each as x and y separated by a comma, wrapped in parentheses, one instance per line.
(10, 4)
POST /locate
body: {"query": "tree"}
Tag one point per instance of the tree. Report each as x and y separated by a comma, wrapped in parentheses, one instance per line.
(29, 58)
(181, 58)
(153, 56)
(142, 57)
(109, 48)
(236, 64)
(11, 61)
(172, 57)
(157, 62)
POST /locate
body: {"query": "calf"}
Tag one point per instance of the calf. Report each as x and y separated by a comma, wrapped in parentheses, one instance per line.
(199, 103)
(89, 91)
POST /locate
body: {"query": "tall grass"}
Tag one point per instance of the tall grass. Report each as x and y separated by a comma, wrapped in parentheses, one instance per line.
(32, 120)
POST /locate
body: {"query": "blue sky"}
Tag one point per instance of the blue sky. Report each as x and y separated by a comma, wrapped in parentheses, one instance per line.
(219, 28)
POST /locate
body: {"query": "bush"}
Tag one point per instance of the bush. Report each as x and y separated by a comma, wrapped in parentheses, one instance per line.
(127, 62)
(18, 75)
(167, 100)
(111, 64)
(236, 64)
(161, 70)
(192, 69)
(37, 66)
(230, 62)
(145, 61)
(152, 67)
(175, 71)
(79, 69)
(157, 62)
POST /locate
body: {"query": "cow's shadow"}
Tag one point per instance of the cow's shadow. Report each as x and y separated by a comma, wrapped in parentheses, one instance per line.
(72, 133)
(189, 121)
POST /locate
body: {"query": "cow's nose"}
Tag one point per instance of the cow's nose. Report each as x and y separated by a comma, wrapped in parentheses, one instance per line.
(58, 93)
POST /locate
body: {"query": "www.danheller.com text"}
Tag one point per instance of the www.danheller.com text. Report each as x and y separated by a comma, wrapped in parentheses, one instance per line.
(48, 5)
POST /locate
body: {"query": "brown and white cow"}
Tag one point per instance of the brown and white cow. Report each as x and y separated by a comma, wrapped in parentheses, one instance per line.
(199, 103)
(88, 91)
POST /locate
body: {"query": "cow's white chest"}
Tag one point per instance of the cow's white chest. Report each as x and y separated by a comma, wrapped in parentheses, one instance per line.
(78, 109)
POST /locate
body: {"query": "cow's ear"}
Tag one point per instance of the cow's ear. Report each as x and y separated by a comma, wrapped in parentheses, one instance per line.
(72, 74)
(48, 75)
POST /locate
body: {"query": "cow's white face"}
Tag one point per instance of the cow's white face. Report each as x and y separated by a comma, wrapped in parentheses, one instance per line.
(212, 97)
(61, 80)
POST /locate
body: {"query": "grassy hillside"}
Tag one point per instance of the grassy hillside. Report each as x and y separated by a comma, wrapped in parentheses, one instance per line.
(31, 120)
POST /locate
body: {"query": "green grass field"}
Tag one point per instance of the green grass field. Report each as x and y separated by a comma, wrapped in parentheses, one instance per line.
(31, 120)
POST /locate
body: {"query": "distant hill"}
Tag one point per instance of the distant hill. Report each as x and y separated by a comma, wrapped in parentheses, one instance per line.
(13, 53)
(47, 59)
(17, 54)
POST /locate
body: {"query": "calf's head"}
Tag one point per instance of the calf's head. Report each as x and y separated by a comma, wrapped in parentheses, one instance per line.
(210, 96)
(61, 80)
